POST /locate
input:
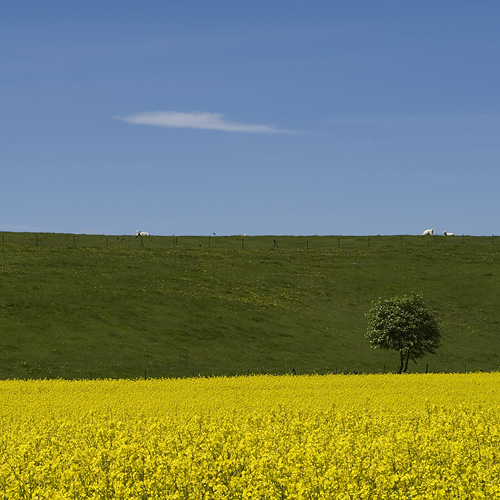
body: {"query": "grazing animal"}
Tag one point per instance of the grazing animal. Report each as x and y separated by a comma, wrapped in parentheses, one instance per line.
(142, 233)
(447, 234)
(428, 231)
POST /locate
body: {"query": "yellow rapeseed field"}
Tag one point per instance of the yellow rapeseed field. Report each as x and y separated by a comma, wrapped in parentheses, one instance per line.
(434, 436)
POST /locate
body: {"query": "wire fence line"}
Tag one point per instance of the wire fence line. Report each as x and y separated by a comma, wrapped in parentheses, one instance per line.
(244, 242)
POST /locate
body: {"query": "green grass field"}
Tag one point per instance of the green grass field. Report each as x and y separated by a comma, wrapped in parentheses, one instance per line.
(77, 306)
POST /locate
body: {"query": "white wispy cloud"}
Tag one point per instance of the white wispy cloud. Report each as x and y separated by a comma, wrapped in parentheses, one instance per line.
(198, 120)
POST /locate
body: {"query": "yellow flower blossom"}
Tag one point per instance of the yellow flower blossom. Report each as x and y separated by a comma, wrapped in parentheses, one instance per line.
(434, 436)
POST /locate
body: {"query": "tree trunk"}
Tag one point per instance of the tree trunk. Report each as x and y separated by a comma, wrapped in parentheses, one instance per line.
(402, 360)
(407, 358)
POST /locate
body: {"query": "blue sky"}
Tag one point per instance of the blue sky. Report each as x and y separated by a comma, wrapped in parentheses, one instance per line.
(260, 117)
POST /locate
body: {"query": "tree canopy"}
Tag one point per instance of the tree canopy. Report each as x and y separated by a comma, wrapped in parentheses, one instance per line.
(405, 325)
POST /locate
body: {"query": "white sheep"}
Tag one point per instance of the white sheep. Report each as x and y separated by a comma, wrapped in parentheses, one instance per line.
(428, 231)
(447, 234)
(142, 233)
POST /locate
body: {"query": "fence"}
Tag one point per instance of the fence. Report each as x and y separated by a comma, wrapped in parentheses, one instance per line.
(53, 240)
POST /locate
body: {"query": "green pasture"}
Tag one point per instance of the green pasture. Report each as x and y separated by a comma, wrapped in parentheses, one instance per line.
(80, 306)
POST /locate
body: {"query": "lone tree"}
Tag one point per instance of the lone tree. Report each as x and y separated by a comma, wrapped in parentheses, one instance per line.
(405, 325)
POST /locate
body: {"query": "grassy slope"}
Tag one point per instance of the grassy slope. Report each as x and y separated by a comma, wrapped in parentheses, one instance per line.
(232, 306)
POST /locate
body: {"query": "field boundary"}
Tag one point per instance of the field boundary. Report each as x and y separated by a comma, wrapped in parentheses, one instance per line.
(237, 242)
(155, 373)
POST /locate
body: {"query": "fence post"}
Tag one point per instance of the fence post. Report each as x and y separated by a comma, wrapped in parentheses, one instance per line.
(338, 242)
(401, 239)
(307, 243)
(36, 239)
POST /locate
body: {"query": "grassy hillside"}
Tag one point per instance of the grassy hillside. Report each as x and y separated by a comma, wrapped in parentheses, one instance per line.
(97, 306)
